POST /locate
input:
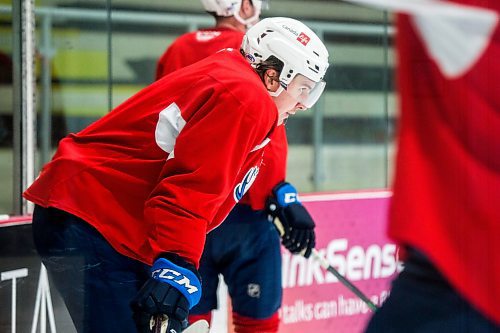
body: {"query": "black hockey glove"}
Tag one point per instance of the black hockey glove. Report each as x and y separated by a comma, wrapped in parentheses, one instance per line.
(292, 220)
(167, 296)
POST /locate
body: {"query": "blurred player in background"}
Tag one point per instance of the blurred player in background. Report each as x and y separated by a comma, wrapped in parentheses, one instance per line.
(245, 249)
(232, 17)
(447, 185)
(127, 201)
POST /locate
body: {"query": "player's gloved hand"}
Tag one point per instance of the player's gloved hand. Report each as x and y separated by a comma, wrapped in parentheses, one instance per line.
(167, 296)
(292, 220)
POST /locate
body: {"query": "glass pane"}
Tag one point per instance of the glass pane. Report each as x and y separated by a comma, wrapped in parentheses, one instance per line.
(355, 147)
(73, 71)
(153, 26)
(354, 137)
(6, 111)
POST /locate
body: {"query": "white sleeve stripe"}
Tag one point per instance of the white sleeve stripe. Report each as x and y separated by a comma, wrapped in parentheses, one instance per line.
(170, 124)
(261, 145)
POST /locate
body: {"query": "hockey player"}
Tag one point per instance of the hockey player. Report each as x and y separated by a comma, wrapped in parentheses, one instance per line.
(447, 184)
(233, 17)
(127, 202)
(246, 248)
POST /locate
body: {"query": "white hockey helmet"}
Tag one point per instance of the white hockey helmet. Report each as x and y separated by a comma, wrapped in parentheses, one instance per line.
(226, 8)
(292, 42)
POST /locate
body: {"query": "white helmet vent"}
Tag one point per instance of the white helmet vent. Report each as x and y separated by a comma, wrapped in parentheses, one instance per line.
(315, 69)
(262, 35)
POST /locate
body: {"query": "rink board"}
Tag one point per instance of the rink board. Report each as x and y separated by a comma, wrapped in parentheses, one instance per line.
(350, 233)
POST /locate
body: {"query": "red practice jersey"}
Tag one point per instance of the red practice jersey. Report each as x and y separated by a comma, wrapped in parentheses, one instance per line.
(166, 166)
(195, 46)
(447, 184)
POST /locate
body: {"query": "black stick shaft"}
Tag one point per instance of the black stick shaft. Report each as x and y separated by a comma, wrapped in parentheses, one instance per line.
(343, 280)
(326, 265)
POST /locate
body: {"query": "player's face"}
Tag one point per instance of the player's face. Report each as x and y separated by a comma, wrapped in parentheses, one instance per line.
(292, 99)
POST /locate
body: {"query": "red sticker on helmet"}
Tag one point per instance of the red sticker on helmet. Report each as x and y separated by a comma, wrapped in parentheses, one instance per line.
(303, 38)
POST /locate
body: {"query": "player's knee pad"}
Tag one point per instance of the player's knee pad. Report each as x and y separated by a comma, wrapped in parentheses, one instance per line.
(195, 317)
(244, 324)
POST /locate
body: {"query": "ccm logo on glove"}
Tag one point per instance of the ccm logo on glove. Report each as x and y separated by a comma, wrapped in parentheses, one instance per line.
(290, 197)
(170, 274)
(179, 277)
(165, 299)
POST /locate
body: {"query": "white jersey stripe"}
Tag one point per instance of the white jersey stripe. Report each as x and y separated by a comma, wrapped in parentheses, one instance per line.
(170, 124)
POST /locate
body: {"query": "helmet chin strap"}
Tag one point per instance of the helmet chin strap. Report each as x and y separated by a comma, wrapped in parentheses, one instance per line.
(249, 22)
(277, 92)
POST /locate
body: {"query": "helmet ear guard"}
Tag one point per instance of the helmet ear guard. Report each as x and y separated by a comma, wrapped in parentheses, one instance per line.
(292, 42)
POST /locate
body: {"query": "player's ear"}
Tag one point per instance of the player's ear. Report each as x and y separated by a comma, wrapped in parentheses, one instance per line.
(271, 80)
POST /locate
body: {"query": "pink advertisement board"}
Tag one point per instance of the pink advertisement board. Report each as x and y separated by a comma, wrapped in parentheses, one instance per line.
(351, 236)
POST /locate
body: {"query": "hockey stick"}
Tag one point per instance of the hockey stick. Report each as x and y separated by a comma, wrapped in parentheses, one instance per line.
(159, 324)
(322, 261)
(326, 265)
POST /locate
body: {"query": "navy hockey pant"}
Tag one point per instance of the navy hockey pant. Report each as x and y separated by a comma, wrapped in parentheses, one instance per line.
(422, 301)
(245, 250)
(96, 282)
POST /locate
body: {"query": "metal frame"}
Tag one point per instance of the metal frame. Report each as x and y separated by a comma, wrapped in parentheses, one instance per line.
(23, 28)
